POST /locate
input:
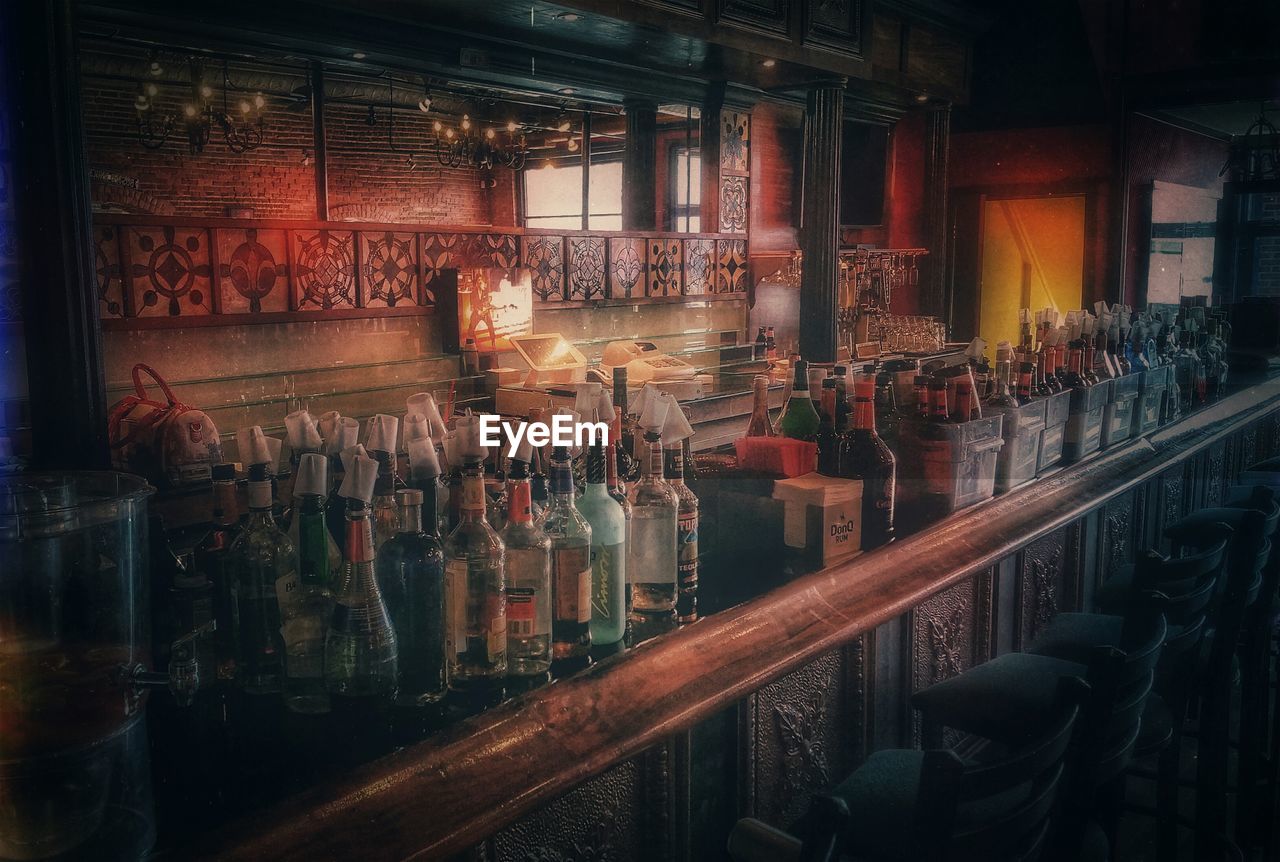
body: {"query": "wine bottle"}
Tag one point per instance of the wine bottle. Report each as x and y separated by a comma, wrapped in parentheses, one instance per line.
(759, 425)
(307, 611)
(799, 420)
(674, 466)
(212, 560)
(827, 438)
(651, 554)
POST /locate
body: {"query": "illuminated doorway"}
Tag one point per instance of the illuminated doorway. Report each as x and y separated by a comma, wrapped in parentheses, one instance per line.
(1032, 256)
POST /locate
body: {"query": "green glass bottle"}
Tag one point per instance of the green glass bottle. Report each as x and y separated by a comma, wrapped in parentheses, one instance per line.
(570, 564)
(608, 522)
(799, 420)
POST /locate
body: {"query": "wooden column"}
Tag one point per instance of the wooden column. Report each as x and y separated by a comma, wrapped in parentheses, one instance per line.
(933, 299)
(639, 166)
(321, 151)
(820, 232)
(53, 224)
(586, 170)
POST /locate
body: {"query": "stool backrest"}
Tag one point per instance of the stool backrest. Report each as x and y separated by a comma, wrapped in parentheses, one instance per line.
(997, 809)
(1203, 552)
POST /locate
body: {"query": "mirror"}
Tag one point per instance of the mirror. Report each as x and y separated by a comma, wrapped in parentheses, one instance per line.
(1184, 221)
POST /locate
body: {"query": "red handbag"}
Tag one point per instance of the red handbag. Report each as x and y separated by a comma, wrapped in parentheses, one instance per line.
(167, 442)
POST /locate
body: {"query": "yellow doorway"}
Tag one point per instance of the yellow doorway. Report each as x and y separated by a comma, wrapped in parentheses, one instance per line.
(1032, 257)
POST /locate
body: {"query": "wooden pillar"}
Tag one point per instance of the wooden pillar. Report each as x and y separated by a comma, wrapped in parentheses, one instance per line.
(933, 298)
(639, 166)
(586, 170)
(820, 232)
(53, 225)
(321, 154)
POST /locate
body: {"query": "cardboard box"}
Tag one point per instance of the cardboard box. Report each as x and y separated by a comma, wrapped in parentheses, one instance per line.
(821, 515)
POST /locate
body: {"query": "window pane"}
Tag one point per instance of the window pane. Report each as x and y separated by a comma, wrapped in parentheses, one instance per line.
(606, 222)
(553, 192)
(606, 190)
(688, 176)
(564, 222)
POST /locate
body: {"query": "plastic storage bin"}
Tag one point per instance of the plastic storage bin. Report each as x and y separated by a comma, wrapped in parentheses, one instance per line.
(1117, 416)
(943, 467)
(1056, 410)
(1084, 423)
(1023, 432)
(1151, 388)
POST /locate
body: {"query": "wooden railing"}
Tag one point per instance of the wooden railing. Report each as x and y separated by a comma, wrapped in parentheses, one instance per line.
(1052, 541)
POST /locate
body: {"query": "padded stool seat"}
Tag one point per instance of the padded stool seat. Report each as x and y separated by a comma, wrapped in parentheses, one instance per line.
(1157, 727)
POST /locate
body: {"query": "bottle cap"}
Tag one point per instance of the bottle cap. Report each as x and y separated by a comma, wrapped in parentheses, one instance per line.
(829, 383)
(467, 443)
(524, 450)
(326, 421)
(654, 414)
(586, 398)
(224, 472)
(416, 427)
(251, 443)
(303, 434)
(345, 433)
(604, 406)
(675, 426)
(423, 462)
(349, 455)
(383, 430)
(360, 477)
(274, 447)
(313, 475)
(409, 497)
(425, 403)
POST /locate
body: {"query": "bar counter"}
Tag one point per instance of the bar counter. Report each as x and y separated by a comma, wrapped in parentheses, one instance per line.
(773, 698)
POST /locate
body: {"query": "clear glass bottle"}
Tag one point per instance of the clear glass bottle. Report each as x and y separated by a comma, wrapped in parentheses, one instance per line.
(651, 554)
(863, 455)
(386, 514)
(307, 610)
(799, 420)
(686, 534)
(570, 563)
(360, 654)
(528, 580)
(608, 520)
(410, 575)
(213, 560)
(475, 591)
(759, 425)
(263, 560)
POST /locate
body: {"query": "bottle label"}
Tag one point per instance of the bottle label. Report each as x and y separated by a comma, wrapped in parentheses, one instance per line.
(687, 565)
(572, 572)
(495, 607)
(472, 496)
(304, 647)
(605, 561)
(288, 592)
(455, 580)
(522, 612)
(359, 540)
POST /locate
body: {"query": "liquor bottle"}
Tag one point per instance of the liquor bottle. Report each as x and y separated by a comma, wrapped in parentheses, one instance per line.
(771, 346)
(651, 553)
(538, 486)
(190, 604)
(761, 346)
(265, 569)
(674, 466)
(937, 400)
(1075, 378)
(495, 489)
(212, 560)
(1086, 362)
(758, 425)
(886, 404)
(1039, 385)
(842, 398)
(624, 450)
(1002, 396)
(475, 591)
(528, 579)
(799, 420)
(410, 575)
(608, 520)
(827, 438)
(307, 610)
(360, 652)
(967, 407)
(1026, 372)
(386, 514)
(570, 563)
(863, 455)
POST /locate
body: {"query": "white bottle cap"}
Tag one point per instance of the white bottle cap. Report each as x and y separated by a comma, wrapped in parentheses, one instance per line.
(383, 431)
(676, 427)
(326, 422)
(350, 454)
(346, 432)
(423, 463)
(425, 403)
(654, 414)
(604, 406)
(313, 475)
(251, 444)
(467, 439)
(274, 447)
(303, 434)
(357, 483)
(450, 445)
(524, 450)
(588, 395)
(416, 427)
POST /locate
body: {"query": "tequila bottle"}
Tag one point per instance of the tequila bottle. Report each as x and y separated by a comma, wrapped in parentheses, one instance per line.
(608, 522)
(528, 580)
(686, 535)
(262, 558)
(651, 554)
(475, 591)
(570, 563)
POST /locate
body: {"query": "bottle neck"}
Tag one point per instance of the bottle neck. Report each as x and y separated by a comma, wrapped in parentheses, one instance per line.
(411, 519)
(225, 506)
(561, 481)
(1075, 360)
(359, 545)
(653, 463)
(828, 403)
(260, 497)
(598, 458)
(673, 464)
(471, 502)
(800, 381)
(864, 414)
(311, 505)
(519, 501)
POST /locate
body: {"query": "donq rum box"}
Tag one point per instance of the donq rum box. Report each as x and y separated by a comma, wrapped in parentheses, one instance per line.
(822, 515)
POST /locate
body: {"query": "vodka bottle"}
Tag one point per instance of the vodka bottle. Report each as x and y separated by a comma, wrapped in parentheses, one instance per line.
(528, 580)
(863, 455)
(570, 564)
(651, 554)
(213, 561)
(686, 536)
(475, 591)
(608, 522)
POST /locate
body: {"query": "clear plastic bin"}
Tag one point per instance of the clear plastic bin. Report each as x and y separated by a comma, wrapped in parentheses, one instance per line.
(1084, 423)
(1117, 416)
(944, 467)
(1151, 389)
(1023, 430)
(1057, 409)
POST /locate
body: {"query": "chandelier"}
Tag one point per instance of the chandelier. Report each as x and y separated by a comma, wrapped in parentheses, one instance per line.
(467, 147)
(242, 125)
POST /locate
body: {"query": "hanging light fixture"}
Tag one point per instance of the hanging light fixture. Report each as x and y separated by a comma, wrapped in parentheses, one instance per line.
(469, 146)
(243, 131)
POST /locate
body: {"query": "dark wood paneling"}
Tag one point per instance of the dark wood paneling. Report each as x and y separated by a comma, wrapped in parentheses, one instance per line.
(771, 17)
(836, 25)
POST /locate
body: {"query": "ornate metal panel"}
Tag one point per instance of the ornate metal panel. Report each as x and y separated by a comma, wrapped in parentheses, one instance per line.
(545, 256)
(1116, 535)
(107, 279)
(389, 269)
(735, 142)
(440, 251)
(765, 16)
(1215, 475)
(626, 267)
(1173, 488)
(731, 274)
(492, 249)
(797, 732)
(1042, 585)
(733, 204)
(950, 633)
(324, 269)
(665, 267)
(835, 25)
(1249, 447)
(699, 266)
(253, 270)
(169, 272)
(586, 267)
(607, 819)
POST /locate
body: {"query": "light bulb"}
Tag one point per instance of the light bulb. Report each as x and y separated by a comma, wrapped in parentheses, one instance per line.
(466, 122)
(206, 91)
(141, 102)
(573, 145)
(511, 126)
(437, 126)
(564, 125)
(244, 106)
(259, 101)
(152, 89)
(548, 166)
(155, 68)
(189, 110)
(448, 133)
(424, 104)
(490, 134)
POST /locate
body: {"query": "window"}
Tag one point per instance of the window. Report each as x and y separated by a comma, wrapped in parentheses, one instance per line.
(553, 197)
(685, 190)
